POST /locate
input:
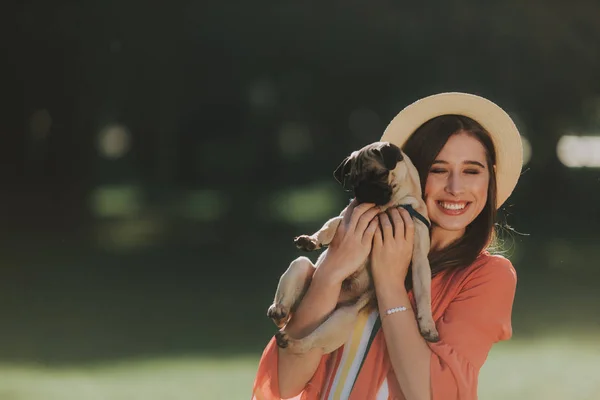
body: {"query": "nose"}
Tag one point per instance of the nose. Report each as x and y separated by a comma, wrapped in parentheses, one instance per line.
(455, 184)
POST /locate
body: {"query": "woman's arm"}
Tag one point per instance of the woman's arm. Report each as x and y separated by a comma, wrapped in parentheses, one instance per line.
(408, 351)
(478, 317)
(319, 301)
(348, 250)
(409, 354)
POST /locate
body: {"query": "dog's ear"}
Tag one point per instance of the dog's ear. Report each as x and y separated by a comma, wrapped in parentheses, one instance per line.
(342, 170)
(390, 154)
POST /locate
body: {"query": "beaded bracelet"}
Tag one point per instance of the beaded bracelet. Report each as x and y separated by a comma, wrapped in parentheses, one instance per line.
(395, 310)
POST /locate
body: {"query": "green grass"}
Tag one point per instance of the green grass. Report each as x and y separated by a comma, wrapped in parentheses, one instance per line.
(548, 369)
(562, 368)
(164, 379)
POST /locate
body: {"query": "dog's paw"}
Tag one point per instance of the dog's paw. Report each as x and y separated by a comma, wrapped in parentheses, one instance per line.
(282, 339)
(428, 330)
(306, 243)
(431, 335)
(279, 314)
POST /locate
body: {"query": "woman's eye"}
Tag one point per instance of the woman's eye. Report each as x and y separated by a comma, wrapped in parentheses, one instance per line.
(437, 171)
(472, 171)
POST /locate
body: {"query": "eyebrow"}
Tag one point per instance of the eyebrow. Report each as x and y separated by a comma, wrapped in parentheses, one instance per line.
(468, 162)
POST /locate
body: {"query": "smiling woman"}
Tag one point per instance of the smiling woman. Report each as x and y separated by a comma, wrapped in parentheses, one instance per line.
(468, 154)
(456, 159)
(456, 187)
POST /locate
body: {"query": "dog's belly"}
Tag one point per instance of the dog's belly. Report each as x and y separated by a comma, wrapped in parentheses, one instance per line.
(355, 285)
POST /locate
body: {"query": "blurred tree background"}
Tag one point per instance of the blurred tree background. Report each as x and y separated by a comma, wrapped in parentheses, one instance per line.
(158, 160)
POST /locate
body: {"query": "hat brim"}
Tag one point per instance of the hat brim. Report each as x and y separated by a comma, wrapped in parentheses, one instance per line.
(502, 129)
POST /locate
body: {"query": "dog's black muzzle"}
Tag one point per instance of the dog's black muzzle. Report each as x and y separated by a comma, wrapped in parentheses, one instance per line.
(369, 192)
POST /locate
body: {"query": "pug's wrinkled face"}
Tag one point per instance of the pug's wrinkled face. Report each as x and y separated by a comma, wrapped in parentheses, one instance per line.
(372, 172)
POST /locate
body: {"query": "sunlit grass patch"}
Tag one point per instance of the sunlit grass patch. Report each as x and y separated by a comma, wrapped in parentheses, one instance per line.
(189, 378)
(562, 368)
(548, 369)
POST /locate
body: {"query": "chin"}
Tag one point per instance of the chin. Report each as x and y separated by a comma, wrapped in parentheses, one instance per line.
(454, 224)
(451, 227)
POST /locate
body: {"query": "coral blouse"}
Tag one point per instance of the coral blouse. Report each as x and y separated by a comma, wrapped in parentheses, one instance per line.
(472, 310)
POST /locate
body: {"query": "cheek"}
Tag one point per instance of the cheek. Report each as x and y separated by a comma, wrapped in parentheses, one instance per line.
(431, 187)
(480, 190)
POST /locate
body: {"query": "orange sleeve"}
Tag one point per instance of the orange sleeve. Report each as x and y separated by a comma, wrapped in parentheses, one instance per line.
(478, 317)
(266, 383)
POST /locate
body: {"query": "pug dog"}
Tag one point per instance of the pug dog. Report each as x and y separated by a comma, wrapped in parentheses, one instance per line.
(378, 173)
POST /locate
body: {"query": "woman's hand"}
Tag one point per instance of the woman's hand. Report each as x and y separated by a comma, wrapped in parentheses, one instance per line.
(392, 247)
(352, 242)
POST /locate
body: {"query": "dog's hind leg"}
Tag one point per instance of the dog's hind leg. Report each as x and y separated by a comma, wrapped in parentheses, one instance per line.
(331, 334)
(421, 275)
(292, 285)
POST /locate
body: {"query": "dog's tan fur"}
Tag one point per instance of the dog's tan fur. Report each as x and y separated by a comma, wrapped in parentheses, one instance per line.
(357, 290)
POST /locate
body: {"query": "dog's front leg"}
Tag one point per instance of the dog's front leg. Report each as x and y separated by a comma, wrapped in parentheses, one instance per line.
(321, 238)
(421, 274)
(291, 288)
(331, 334)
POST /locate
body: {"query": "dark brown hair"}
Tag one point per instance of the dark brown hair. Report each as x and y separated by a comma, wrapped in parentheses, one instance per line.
(422, 148)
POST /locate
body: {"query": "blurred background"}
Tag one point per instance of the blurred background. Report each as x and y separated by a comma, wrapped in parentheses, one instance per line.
(158, 161)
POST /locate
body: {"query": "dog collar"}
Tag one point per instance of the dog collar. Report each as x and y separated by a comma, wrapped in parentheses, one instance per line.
(414, 213)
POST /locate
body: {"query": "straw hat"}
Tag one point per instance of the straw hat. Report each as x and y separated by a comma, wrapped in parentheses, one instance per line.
(502, 129)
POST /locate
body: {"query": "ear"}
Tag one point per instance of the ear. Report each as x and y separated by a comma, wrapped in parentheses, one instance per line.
(342, 170)
(391, 154)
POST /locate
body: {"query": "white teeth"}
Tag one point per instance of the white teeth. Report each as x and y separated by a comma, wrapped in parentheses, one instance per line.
(453, 206)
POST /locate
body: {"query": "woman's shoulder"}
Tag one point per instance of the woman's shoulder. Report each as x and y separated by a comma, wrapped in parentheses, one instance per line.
(490, 276)
(491, 266)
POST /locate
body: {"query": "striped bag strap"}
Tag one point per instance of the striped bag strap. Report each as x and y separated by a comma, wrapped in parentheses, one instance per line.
(374, 330)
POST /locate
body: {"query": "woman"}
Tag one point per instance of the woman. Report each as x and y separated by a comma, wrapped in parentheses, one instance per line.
(468, 154)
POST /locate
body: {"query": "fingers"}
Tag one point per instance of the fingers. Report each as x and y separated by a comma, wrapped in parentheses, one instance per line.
(370, 231)
(357, 216)
(409, 225)
(386, 227)
(366, 218)
(378, 235)
(398, 223)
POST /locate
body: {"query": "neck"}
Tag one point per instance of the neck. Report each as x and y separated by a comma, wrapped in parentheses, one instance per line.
(441, 238)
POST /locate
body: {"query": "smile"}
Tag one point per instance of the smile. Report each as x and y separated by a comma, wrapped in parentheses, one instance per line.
(453, 208)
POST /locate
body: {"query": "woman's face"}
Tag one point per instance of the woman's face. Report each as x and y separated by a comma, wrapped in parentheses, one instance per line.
(457, 184)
